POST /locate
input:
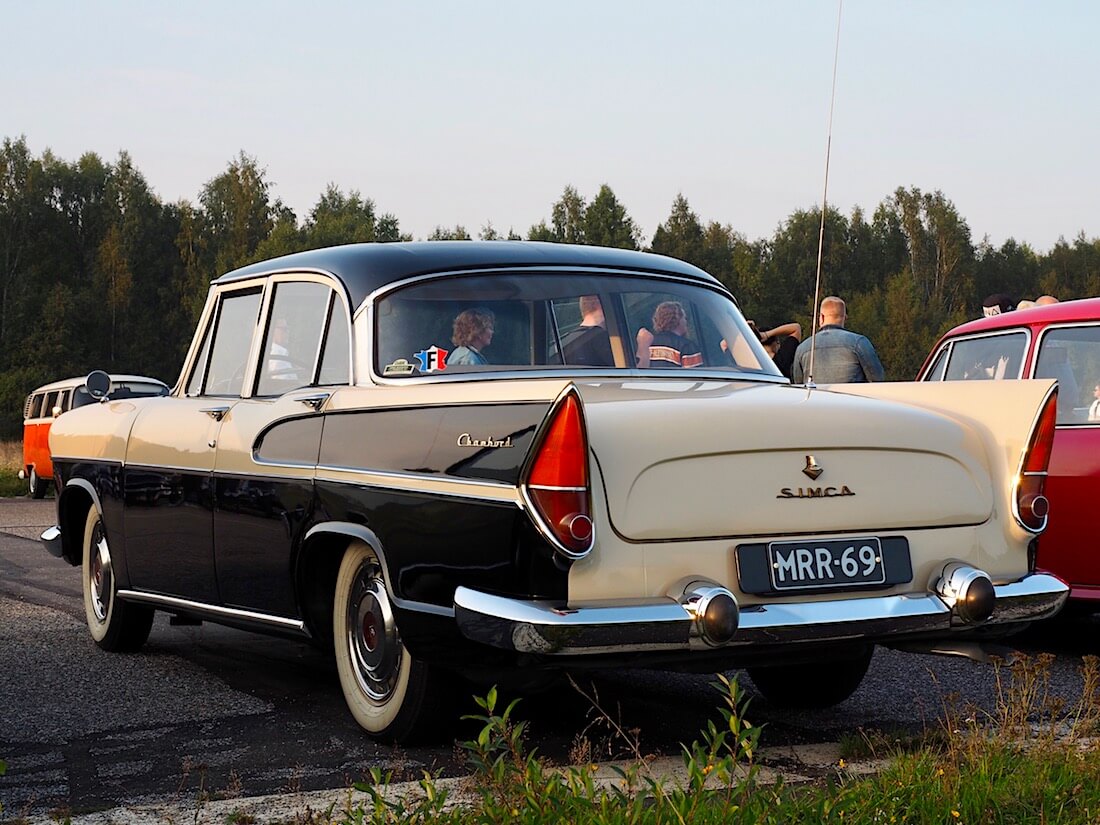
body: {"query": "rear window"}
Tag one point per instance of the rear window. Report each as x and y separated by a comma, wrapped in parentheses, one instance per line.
(551, 321)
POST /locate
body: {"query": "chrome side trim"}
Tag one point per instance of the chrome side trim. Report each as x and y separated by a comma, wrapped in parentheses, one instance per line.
(417, 482)
(663, 624)
(171, 602)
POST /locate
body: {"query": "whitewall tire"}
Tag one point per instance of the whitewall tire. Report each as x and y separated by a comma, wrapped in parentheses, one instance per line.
(114, 624)
(390, 693)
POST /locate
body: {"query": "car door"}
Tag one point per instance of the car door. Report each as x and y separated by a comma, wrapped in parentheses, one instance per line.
(267, 449)
(1071, 354)
(168, 477)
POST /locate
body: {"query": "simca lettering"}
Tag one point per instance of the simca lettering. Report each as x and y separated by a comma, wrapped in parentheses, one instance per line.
(815, 492)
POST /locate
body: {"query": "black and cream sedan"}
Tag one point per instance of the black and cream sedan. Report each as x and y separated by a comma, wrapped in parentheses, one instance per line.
(509, 459)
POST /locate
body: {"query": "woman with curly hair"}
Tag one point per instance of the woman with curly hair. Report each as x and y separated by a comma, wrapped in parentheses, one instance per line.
(473, 331)
(670, 346)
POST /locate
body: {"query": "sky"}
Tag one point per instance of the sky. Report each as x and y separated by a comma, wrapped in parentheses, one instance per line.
(479, 113)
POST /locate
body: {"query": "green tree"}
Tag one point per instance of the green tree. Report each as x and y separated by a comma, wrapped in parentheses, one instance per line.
(237, 214)
(606, 222)
(681, 236)
(441, 233)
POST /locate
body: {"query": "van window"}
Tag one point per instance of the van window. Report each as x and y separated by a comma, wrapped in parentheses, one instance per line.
(35, 410)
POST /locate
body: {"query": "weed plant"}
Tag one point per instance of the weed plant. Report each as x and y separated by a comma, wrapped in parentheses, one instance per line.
(1031, 759)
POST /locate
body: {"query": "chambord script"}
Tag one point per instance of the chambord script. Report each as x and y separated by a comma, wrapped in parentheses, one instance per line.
(467, 440)
(815, 492)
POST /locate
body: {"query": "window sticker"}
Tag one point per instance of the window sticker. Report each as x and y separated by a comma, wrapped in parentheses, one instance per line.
(399, 367)
(432, 359)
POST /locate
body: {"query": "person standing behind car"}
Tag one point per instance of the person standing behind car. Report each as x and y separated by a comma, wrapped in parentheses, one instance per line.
(781, 344)
(840, 356)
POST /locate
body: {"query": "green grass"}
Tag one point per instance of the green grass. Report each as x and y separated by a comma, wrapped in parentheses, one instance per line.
(11, 484)
(1030, 760)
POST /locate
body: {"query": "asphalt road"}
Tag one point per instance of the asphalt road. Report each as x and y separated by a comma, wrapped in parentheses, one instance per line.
(212, 710)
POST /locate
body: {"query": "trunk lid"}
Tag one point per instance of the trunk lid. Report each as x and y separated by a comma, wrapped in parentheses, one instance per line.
(683, 460)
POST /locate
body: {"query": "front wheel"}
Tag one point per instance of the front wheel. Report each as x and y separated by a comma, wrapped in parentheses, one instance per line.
(38, 486)
(813, 685)
(390, 693)
(115, 625)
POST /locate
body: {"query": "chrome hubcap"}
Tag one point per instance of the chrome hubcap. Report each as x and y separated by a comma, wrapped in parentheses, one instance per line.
(100, 574)
(372, 635)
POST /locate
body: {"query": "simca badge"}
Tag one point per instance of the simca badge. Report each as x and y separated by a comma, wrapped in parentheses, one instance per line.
(812, 469)
(399, 367)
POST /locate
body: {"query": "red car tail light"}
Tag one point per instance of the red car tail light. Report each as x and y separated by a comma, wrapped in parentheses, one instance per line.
(557, 483)
(1031, 505)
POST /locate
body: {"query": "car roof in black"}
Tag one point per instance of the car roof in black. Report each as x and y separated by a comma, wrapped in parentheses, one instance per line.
(366, 267)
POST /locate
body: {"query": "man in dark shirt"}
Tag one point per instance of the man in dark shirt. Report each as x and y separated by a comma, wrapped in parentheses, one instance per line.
(589, 345)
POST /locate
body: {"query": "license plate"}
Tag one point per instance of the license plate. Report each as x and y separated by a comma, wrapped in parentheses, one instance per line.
(831, 563)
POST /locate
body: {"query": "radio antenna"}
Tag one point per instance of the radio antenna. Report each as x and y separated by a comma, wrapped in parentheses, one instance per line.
(824, 200)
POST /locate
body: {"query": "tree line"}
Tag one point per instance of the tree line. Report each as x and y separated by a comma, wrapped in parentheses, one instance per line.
(97, 272)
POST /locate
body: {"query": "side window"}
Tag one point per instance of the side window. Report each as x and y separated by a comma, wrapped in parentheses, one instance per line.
(935, 372)
(292, 342)
(334, 357)
(36, 406)
(63, 402)
(49, 404)
(237, 315)
(990, 357)
(194, 383)
(1072, 356)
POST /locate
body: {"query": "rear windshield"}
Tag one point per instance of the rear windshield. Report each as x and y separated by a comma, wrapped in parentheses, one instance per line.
(551, 321)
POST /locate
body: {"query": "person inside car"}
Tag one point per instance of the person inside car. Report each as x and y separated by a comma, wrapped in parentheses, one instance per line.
(472, 332)
(589, 344)
(670, 346)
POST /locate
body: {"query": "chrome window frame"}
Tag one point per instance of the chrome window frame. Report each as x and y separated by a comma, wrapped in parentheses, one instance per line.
(365, 314)
(266, 282)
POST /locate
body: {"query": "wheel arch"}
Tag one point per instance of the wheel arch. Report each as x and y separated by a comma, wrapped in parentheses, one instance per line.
(318, 565)
(74, 501)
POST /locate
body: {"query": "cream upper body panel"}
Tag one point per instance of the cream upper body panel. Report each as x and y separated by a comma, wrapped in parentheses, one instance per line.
(97, 431)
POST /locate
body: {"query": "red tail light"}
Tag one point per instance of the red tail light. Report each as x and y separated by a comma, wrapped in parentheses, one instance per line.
(558, 481)
(1031, 505)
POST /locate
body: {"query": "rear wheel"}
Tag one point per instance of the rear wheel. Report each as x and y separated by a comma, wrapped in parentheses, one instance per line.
(390, 693)
(38, 486)
(813, 684)
(114, 624)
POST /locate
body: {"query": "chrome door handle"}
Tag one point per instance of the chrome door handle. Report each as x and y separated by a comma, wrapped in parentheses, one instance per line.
(217, 413)
(315, 401)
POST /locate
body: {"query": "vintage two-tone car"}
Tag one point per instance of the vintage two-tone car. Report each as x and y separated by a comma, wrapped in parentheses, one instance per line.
(1059, 341)
(509, 457)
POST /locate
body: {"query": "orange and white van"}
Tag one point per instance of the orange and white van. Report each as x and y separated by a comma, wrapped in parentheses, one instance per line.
(51, 400)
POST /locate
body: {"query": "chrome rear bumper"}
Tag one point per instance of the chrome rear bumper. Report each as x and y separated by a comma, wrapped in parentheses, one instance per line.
(665, 625)
(51, 539)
